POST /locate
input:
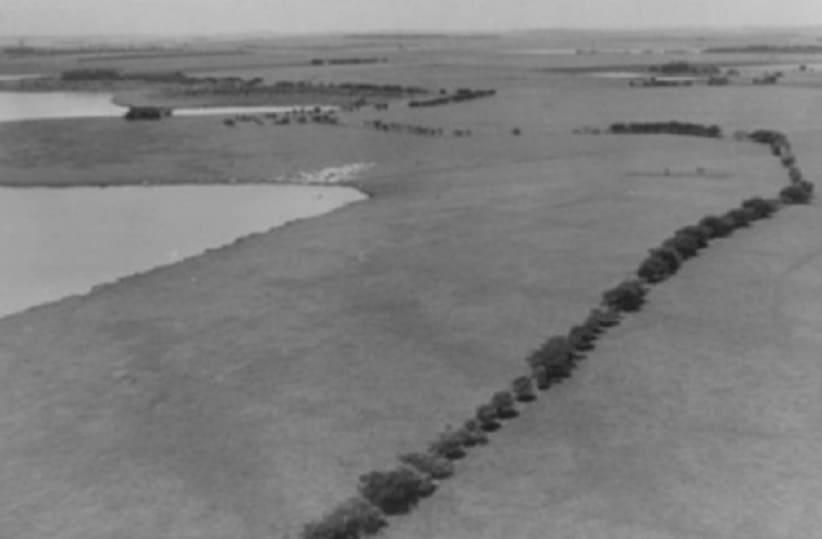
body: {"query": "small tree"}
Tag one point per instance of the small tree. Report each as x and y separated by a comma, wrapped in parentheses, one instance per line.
(474, 434)
(487, 417)
(503, 403)
(718, 227)
(654, 269)
(685, 246)
(628, 296)
(523, 389)
(603, 318)
(794, 174)
(542, 378)
(353, 519)
(396, 491)
(760, 207)
(795, 194)
(582, 338)
(449, 445)
(434, 466)
(556, 355)
(700, 234)
(740, 217)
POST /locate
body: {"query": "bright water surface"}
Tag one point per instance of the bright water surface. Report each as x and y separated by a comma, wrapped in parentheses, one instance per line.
(59, 242)
(55, 105)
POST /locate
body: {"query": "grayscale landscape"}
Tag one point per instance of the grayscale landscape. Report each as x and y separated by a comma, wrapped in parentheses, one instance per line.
(412, 277)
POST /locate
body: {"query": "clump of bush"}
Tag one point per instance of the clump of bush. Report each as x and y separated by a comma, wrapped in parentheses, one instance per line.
(555, 357)
(760, 207)
(653, 269)
(603, 318)
(719, 228)
(798, 193)
(740, 217)
(699, 233)
(353, 519)
(473, 434)
(434, 466)
(449, 445)
(686, 246)
(523, 389)
(628, 296)
(503, 403)
(487, 417)
(582, 338)
(396, 491)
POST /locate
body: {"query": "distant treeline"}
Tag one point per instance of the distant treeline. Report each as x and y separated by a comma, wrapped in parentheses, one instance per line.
(769, 49)
(223, 85)
(347, 61)
(670, 128)
(53, 51)
(463, 94)
(420, 36)
(685, 68)
(105, 74)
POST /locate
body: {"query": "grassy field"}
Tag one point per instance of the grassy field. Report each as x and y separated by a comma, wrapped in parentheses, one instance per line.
(240, 394)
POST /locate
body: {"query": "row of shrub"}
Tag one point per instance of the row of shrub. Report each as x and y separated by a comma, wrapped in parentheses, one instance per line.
(670, 128)
(463, 94)
(411, 129)
(397, 491)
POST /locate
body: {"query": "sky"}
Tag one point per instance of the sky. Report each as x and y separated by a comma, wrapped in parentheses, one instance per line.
(181, 17)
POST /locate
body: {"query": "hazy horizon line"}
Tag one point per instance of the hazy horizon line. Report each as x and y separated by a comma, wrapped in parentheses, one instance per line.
(426, 31)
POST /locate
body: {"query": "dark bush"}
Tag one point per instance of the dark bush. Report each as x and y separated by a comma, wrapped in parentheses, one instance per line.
(603, 318)
(542, 378)
(449, 445)
(654, 269)
(796, 194)
(685, 246)
(670, 256)
(740, 217)
(503, 403)
(788, 161)
(353, 519)
(760, 207)
(556, 355)
(719, 228)
(396, 491)
(628, 296)
(795, 174)
(487, 417)
(523, 389)
(473, 433)
(700, 234)
(582, 338)
(434, 466)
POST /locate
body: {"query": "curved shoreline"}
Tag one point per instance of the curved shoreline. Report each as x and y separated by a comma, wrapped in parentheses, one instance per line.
(108, 283)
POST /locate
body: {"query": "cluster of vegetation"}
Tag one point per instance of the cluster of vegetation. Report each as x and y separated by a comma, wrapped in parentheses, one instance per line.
(767, 49)
(316, 115)
(399, 490)
(147, 113)
(396, 127)
(347, 61)
(462, 94)
(110, 75)
(670, 128)
(685, 68)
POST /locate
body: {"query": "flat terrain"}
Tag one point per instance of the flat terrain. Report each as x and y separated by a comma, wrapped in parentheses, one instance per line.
(240, 394)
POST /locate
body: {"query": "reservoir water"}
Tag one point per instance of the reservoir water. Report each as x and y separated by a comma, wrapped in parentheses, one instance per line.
(60, 242)
(55, 105)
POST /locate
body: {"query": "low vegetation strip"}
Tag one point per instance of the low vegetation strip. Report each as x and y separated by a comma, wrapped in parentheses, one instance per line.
(669, 128)
(399, 490)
